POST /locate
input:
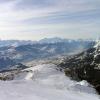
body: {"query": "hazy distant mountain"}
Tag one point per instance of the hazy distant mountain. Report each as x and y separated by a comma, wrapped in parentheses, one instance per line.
(44, 50)
(53, 40)
(15, 42)
(7, 63)
(58, 40)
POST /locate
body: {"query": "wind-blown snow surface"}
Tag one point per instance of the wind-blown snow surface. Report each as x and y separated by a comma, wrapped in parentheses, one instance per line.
(44, 82)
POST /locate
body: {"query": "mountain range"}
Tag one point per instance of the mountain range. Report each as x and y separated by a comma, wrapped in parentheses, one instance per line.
(42, 41)
(22, 51)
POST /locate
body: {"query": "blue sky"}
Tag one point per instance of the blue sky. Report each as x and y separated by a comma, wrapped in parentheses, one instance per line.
(37, 19)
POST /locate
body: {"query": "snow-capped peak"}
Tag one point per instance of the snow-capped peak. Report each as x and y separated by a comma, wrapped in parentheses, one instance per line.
(97, 43)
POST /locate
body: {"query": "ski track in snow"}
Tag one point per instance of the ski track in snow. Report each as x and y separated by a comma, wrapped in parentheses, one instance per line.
(44, 82)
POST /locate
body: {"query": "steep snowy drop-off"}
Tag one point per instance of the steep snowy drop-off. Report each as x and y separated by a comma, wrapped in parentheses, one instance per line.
(45, 82)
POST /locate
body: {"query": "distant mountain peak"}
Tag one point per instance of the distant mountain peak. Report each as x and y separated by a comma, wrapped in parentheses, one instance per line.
(53, 40)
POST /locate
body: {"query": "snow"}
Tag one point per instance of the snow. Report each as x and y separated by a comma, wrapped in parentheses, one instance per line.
(97, 44)
(52, 50)
(97, 47)
(44, 82)
(44, 48)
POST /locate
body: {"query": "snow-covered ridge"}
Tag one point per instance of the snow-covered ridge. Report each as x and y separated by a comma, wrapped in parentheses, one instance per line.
(97, 44)
(48, 74)
(97, 49)
(45, 82)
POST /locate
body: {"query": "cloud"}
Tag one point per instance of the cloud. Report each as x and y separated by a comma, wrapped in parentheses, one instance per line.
(51, 17)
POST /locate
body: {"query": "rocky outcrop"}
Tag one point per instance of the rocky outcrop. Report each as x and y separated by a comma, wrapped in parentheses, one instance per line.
(9, 68)
(84, 66)
(9, 74)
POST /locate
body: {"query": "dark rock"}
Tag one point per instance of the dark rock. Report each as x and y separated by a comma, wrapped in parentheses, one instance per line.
(84, 66)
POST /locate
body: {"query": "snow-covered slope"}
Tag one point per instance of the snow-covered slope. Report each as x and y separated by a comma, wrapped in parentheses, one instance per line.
(45, 82)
